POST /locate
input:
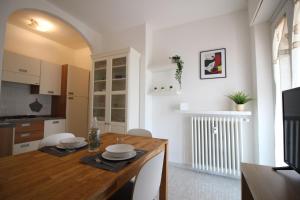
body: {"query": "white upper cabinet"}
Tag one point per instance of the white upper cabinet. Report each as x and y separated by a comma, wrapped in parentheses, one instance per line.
(78, 82)
(21, 69)
(50, 81)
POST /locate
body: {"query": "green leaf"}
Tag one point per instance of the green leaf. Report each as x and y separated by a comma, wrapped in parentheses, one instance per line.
(240, 97)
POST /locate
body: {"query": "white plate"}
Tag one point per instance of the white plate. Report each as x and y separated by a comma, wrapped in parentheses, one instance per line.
(81, 144)
(120, 148)
(107, 156)
(119, 155)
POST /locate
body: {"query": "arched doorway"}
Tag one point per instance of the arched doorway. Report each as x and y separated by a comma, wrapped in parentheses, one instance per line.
(49, 42)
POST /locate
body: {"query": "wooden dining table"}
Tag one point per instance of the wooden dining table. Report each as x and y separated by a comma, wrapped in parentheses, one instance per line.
(38, 175)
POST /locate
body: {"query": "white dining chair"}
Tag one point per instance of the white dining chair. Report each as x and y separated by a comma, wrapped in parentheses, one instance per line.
(139, 132)
(147, 182)
(53, 140)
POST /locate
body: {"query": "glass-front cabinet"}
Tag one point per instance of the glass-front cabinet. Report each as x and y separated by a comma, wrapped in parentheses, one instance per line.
(116, 90)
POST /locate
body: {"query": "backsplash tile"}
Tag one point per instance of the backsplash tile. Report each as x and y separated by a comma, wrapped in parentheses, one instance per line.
(15, 100)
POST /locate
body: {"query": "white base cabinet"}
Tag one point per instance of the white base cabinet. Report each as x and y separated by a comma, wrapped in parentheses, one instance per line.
(54, 126)
(26, 147)
(114, 99)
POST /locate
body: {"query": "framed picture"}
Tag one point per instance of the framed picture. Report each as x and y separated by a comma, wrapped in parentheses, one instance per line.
(213, 64)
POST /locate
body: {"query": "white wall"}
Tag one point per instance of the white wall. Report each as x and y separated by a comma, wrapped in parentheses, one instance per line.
(15, 99)
(264, 92)
(230, 32)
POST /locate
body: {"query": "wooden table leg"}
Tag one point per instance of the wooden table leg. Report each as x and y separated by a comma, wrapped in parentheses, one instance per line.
(246, 194)
(163, 194)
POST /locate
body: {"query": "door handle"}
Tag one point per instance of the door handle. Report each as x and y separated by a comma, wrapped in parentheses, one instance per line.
(25, 124)
(55, 122)
(50, 92)
(25, 135)
(70, 98)
(71, 93)
(25, 145)
(22, 70)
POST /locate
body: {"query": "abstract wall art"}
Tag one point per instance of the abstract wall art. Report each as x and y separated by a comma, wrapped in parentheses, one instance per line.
(213, 64)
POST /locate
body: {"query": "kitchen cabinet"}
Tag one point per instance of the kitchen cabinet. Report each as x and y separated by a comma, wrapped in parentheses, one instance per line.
(78, 82)
(27, 136)
(54, 126)
(50, 79)
(26, 147)
(6, 141)
(115, 90)
(73, 102)
(77, 115)
(20, 69)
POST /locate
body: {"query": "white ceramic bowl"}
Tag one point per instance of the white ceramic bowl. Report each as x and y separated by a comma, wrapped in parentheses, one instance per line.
(70, 142)
(120, 148)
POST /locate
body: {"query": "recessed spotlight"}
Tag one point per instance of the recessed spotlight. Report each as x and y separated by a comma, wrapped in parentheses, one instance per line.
(40, 25)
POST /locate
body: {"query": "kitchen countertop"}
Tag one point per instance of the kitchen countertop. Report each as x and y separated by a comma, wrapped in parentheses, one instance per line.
(6, 123)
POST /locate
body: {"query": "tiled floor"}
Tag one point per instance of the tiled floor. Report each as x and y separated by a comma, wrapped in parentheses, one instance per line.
(188, 185)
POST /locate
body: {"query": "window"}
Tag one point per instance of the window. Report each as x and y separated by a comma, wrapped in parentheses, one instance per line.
(286, 64)
(282, 78)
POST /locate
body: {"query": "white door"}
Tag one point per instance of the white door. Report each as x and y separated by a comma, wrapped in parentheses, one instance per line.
(77, 116)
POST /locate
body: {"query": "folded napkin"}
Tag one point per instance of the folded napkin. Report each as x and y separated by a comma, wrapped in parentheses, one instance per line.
(109, 165)
(53, 150)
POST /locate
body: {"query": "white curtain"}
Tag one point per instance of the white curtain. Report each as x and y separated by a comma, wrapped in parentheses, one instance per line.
(283, 81)
(296, 46)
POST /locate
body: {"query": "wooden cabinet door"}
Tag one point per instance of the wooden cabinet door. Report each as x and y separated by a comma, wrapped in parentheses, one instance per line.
(77, 116)
(50, 81)
(78, 81)
(21, 64)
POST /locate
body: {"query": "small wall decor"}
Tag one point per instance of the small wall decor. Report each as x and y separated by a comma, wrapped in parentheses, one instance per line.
(213, 64)
(178, 74)
(36, 106)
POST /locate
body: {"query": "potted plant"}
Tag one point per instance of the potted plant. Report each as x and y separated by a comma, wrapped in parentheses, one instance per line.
(240, 98)
(178, 74)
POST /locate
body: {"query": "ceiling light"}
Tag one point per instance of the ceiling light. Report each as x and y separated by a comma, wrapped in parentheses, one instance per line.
(40, 25)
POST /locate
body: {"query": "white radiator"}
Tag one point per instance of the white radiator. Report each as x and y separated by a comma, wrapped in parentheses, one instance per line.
(216, 144)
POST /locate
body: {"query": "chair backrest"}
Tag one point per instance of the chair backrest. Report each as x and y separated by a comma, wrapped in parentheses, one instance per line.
(139, 132)
(53, 140)
(147, 182)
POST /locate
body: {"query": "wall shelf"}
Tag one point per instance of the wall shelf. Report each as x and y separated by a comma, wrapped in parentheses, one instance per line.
(163, 68)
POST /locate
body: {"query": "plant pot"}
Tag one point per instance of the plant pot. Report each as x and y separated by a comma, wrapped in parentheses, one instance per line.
(239, 107)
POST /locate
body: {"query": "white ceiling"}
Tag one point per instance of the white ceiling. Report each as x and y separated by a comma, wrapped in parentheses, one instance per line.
(62, 33)
(114, 15)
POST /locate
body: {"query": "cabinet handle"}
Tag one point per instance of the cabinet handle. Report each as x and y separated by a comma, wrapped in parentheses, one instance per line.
(25, 135)
(71, 93)
(50, 92)
(23, 70)
(70, 98)
(25, 124)
(25, 145)
(55, 122)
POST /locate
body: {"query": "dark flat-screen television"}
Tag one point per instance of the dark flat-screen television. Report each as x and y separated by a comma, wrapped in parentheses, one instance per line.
(291, 127)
